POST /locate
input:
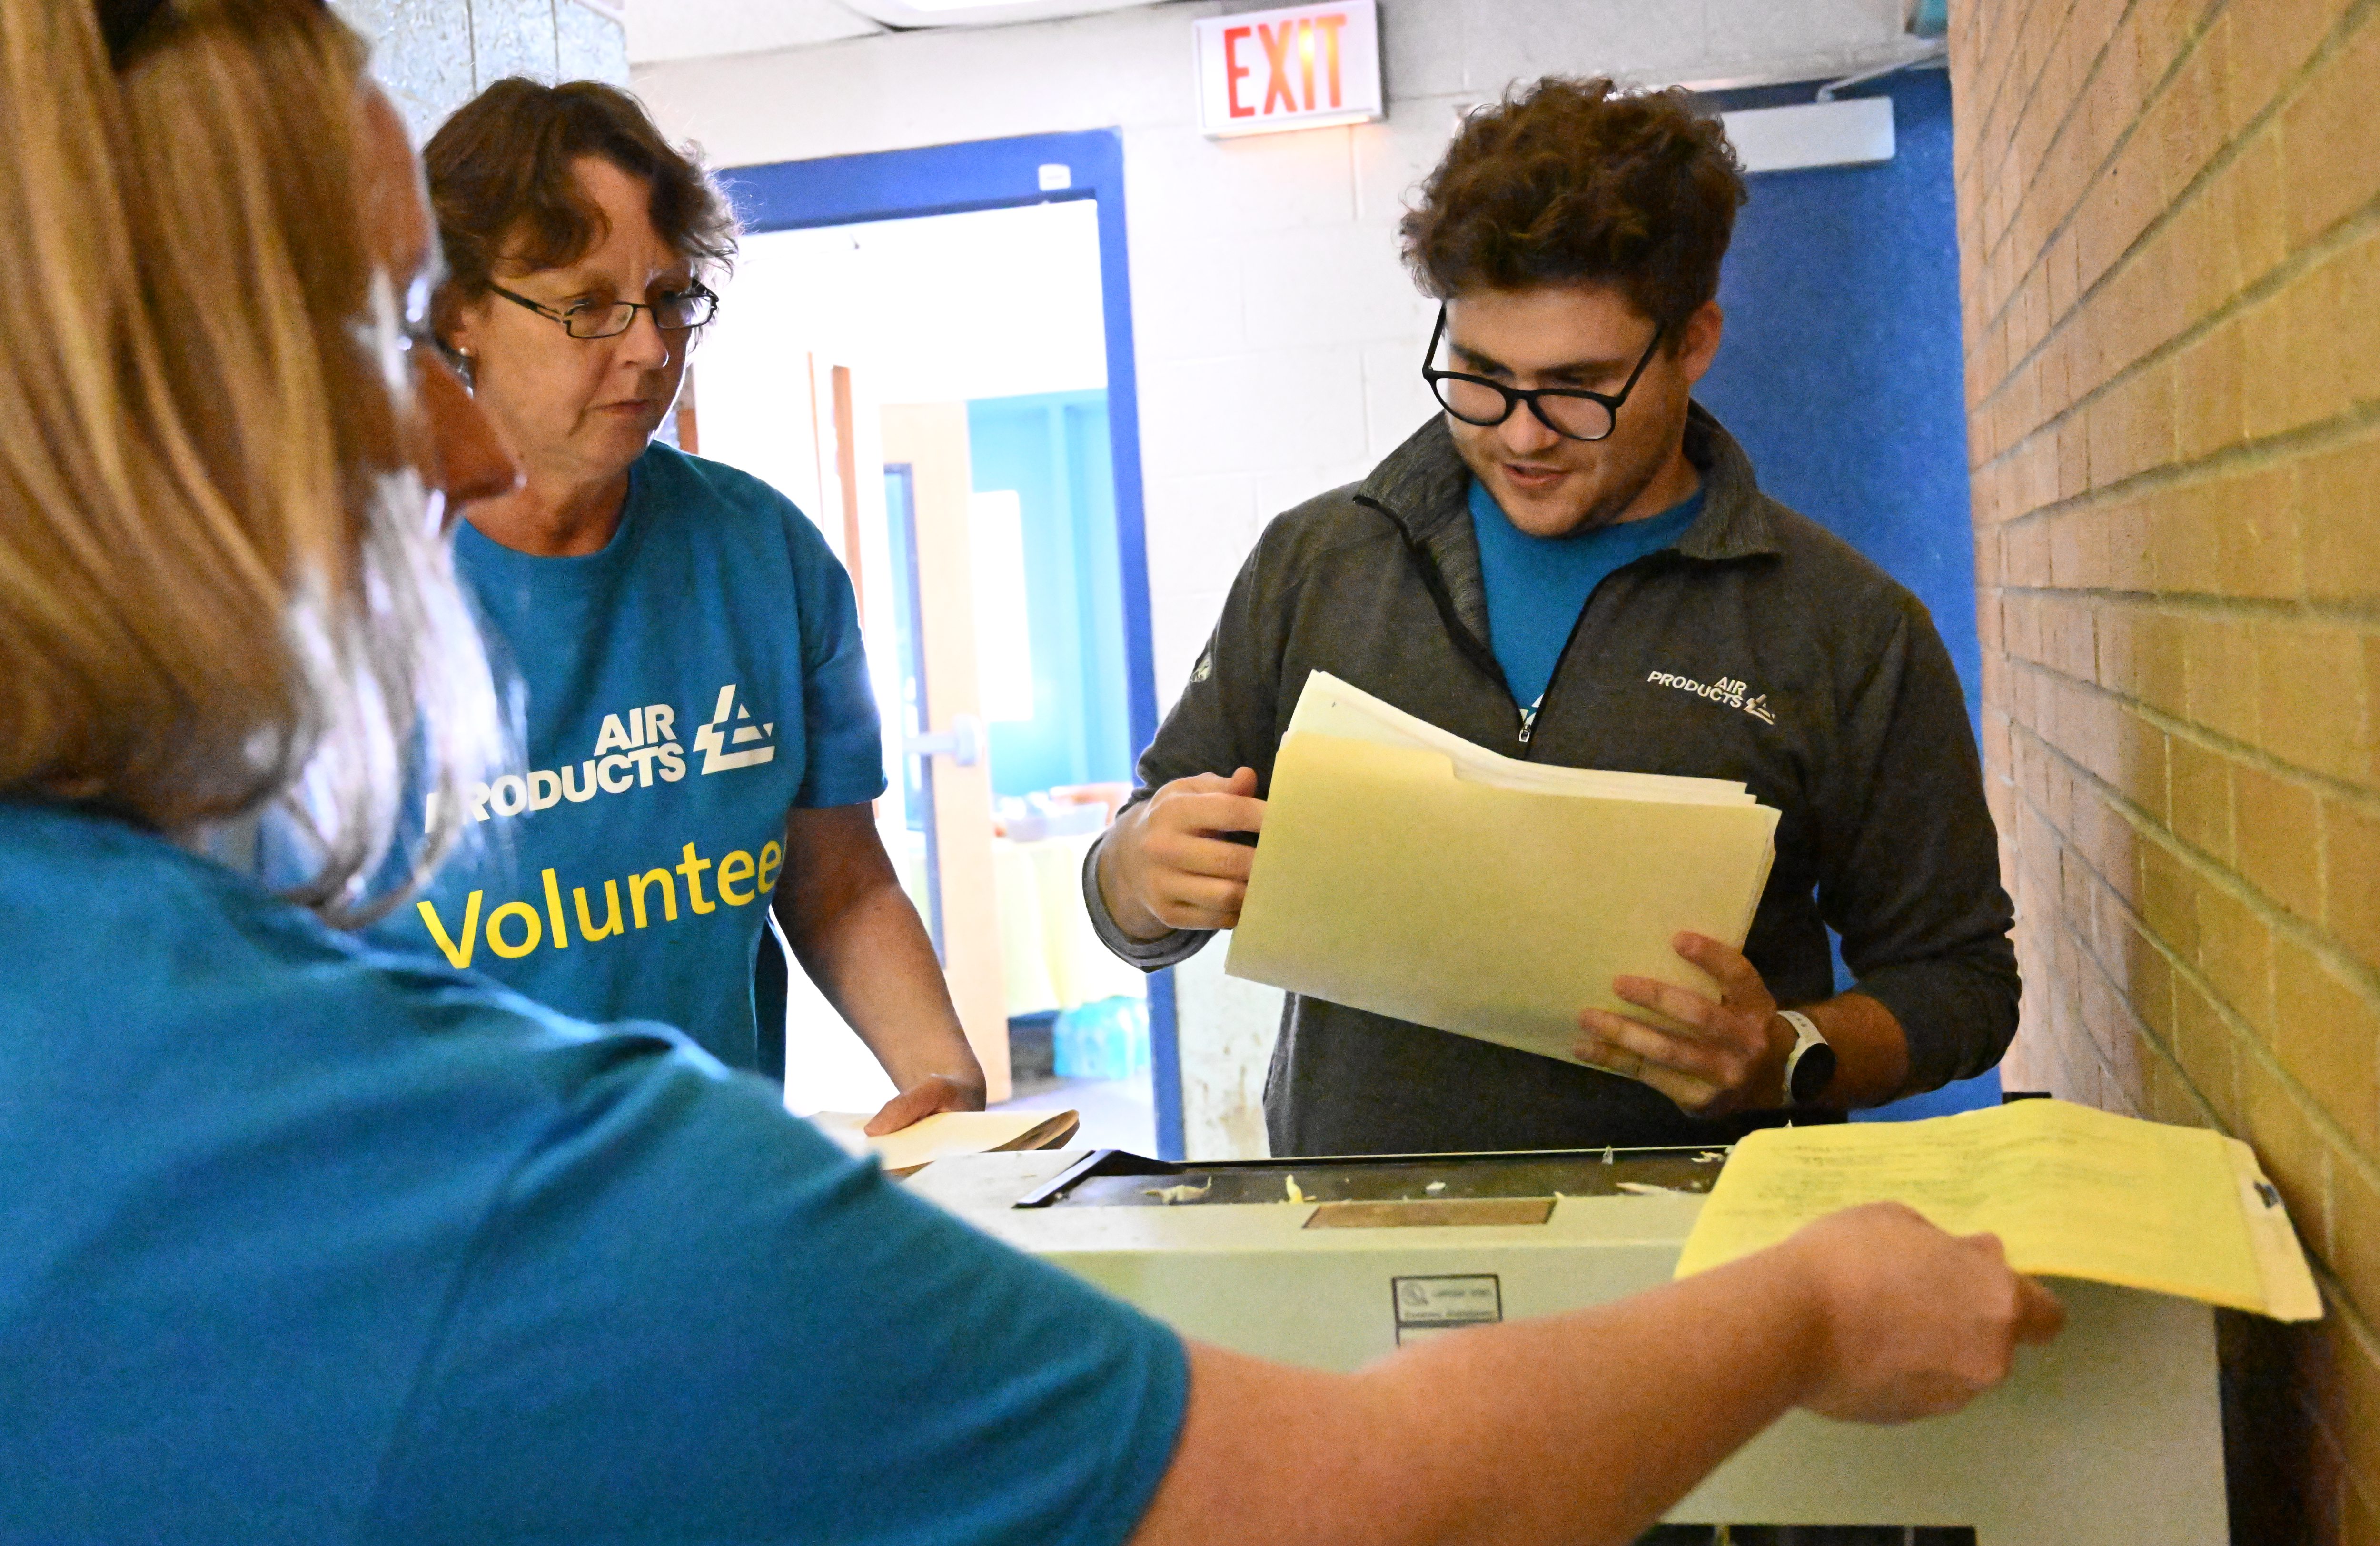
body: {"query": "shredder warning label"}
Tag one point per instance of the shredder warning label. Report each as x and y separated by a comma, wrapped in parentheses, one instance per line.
(1433, 1306)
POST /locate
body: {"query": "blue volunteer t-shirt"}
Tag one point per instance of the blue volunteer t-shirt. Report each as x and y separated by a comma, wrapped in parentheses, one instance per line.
(688, 686)
(1537, 586)
(306, 1240)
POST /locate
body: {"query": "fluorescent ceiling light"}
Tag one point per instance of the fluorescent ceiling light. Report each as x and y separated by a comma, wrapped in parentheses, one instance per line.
(979, 13)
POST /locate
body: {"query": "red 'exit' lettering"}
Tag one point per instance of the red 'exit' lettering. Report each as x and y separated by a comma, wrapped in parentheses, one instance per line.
(1290, 44)
(1276, 47)
(1233, 70)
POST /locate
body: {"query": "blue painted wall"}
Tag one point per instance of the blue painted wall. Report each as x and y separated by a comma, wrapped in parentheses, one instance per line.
(1842, 368)
(1841, 372)
(1052, 449)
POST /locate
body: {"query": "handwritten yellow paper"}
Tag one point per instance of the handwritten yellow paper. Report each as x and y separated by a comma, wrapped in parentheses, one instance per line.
(2072, 1192)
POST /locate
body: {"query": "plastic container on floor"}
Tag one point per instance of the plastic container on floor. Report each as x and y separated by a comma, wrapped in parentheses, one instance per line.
(1106, 1040)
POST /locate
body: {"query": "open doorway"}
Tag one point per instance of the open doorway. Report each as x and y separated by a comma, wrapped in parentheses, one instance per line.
(934, 390)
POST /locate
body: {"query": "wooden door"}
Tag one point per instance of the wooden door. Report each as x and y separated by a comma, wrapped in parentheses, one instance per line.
(932, 441)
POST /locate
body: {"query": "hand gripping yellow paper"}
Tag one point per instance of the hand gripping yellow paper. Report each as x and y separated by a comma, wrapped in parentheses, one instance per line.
(2071, 1191)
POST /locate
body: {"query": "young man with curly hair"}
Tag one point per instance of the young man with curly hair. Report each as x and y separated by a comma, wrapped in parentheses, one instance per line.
(1574, 562)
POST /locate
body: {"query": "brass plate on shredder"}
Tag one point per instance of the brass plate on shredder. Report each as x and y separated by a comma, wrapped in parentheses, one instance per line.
(1432, 1211)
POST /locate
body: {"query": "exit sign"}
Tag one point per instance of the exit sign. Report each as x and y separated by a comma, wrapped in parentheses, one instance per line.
(1299, 67)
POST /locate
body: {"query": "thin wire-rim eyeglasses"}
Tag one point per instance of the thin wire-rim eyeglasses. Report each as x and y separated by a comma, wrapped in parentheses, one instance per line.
(1534, 396)
(699, 294)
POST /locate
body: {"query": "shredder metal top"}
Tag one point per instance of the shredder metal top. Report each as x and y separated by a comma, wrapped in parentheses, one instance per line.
(1115, 1178)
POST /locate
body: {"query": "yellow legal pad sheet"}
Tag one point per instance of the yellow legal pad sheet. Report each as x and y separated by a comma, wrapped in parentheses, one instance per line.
(1406, 871)
(2071, 1191)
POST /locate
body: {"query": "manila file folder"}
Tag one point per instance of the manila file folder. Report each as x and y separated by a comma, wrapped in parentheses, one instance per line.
(1405, 874)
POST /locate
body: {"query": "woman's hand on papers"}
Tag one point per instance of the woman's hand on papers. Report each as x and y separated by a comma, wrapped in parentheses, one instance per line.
(1168, 864)
(930, 1096)
(1917, 1322)
(1730, 1056)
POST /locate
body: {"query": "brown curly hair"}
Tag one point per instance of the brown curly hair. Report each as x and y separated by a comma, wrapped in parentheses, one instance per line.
(1575, 181)
(502, 187)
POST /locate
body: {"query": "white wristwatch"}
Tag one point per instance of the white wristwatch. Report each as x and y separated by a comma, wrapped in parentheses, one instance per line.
(1810, 1066)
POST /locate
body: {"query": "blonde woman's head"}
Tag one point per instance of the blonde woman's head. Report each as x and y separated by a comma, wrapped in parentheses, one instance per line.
(223, 468)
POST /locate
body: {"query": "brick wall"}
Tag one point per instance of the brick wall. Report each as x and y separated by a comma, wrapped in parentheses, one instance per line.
(2171, 256)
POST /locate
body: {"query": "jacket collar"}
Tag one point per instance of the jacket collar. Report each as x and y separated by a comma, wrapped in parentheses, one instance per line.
(1424, 486)
(1738, 521)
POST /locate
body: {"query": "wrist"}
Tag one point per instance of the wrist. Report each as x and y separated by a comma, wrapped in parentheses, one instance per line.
(1117, 892)
(966, 1086)
(1810, 1060)
(1814, 1317)
(1777, 1095)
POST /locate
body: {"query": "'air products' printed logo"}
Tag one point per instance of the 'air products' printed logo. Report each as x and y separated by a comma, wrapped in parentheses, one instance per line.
(710, 741)
(1729, 690)
(632, 752)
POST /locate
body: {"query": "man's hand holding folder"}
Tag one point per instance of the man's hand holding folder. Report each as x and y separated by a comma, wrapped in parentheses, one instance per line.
(1729, 1054)
(1170, 863)
(1729, 1051)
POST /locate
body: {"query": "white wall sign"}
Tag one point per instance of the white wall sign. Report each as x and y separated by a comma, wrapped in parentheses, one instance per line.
(1855, 131)
(1299, 67)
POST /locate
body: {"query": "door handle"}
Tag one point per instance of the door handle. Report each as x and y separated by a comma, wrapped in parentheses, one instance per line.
(962, 743)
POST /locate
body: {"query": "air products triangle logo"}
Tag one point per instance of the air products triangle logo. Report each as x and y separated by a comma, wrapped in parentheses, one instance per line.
(749, 736)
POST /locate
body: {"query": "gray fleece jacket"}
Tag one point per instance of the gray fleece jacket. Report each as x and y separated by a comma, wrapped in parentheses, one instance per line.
(1759, 648)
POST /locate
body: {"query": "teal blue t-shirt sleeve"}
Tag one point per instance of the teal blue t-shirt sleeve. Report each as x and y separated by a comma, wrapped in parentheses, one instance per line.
(845, 752)
(693, 1319)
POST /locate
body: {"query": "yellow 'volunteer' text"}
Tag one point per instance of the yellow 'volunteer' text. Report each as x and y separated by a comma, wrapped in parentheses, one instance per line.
(515, 929)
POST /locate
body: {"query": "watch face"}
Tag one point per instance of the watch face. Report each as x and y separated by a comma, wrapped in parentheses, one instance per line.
(1813, 1071)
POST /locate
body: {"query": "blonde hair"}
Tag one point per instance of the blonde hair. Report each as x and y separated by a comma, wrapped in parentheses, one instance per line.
(221, 585)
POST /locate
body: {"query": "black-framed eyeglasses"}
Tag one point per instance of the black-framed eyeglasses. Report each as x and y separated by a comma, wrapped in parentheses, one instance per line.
(1570, 412)
(690, 308)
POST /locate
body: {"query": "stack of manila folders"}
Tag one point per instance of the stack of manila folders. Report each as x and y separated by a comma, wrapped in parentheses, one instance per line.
(1406, 871)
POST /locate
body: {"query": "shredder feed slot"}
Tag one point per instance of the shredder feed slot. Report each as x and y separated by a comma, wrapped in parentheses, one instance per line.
(1116, 1179)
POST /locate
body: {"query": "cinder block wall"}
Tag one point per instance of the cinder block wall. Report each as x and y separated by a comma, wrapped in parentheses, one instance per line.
(2170, 251)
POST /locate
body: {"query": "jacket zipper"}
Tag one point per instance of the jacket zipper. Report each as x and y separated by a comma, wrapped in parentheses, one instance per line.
(1469, 646)
(1529, 716)
(1578, 623)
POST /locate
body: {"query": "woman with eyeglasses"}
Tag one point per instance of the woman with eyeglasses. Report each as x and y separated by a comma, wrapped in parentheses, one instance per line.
(700, 740)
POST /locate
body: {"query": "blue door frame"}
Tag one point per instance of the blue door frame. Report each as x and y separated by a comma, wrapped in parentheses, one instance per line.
(1003, 173)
